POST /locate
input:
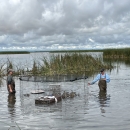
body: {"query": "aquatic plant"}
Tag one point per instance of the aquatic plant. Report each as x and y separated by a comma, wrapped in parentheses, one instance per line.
(71, 64)
(112, 53)
(34, 68)
(123, 53)
(59, 64)
(2, 69)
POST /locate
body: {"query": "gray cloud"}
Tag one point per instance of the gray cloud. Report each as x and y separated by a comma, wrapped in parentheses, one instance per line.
(64, 24)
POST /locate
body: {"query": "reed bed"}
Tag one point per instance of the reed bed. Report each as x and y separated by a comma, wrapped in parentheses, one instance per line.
(117, 53)
(120, 53)
(68, 63)
(72, 64)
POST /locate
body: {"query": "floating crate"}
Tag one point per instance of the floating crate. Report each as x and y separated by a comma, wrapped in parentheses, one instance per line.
(48, 99)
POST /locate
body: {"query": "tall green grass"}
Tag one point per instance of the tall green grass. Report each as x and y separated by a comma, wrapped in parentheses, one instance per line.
(72, 64)
(68, 63)
(117, 53)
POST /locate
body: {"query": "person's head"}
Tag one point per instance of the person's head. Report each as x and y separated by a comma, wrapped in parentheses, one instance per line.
(10, 71)
(102, 71)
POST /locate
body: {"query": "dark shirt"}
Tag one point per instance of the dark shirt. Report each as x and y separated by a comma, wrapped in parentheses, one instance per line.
(10, 81)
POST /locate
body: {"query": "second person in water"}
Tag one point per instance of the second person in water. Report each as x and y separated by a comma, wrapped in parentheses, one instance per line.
(103, 79)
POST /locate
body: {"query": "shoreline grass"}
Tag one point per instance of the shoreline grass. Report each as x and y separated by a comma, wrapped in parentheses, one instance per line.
(119, 53)
(113, 53)
(123, 53)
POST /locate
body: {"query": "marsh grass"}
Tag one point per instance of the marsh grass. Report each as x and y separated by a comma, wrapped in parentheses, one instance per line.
(72, 64)
(5, 66)
(2, 69)
(119, 53)
(68, 63)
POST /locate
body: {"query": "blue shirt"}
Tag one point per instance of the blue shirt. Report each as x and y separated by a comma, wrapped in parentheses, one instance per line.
(100, 76)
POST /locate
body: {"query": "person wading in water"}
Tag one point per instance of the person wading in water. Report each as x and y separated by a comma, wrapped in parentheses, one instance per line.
(10, 82)
(103, 79)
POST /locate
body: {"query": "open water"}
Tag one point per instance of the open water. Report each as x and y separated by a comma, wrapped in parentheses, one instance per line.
(90, 110)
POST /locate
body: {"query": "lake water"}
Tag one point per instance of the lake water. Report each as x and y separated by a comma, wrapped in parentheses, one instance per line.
(90, 110)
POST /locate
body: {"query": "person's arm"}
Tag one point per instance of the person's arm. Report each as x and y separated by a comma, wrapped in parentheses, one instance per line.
(10, 89)
(9, 83)
(95, 80)
(107, 78)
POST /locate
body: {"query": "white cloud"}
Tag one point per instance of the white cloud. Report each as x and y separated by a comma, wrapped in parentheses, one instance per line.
(91, 40)
(64, 24)
(14, 1)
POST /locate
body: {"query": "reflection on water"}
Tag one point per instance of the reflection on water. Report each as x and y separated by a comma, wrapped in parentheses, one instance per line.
(104, 100)
(11, 104)
(84, 112)
(1, 82)
(118, 61)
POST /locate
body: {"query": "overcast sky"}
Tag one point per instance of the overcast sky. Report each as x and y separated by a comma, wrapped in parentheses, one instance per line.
(64, 24)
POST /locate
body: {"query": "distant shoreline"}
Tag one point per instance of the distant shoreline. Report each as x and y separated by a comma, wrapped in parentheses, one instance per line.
(120, 50)
(92, 50)
(14, 52)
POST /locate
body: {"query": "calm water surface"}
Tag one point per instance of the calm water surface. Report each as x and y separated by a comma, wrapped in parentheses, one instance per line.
(91, 110)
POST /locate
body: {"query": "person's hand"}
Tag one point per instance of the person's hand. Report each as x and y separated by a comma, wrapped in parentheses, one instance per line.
(89, 84)
(10, 90)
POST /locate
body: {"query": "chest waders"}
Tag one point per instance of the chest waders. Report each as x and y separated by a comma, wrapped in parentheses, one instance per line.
(102, 84)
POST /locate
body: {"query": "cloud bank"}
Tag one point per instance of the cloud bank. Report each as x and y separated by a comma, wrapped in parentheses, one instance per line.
(64, 24)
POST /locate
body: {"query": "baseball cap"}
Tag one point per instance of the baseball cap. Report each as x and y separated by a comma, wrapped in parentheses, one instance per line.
(102, 70)
(10, 70)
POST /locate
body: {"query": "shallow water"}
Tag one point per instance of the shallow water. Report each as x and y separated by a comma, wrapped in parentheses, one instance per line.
(90, 110)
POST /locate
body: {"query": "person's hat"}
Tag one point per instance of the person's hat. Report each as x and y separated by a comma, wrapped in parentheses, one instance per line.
(10, 70)
(102, 70)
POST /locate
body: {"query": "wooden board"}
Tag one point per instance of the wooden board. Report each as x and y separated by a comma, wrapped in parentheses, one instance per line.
(37, 91)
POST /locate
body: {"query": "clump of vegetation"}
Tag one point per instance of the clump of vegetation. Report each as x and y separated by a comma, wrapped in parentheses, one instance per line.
(117, 53)
(67, 63)
(71, 64)
(5, 66)
(2, 69)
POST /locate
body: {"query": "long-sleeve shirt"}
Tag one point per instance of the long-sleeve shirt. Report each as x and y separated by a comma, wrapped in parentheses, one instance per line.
(10, 80)
(100, 76)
